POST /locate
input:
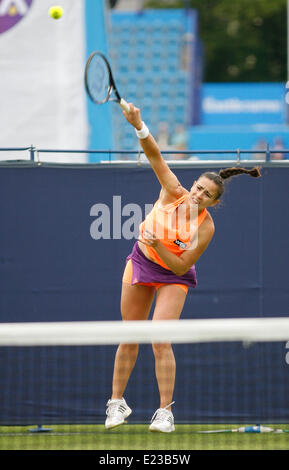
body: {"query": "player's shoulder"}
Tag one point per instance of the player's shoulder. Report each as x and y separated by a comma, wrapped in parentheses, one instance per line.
(168, 197)
(208, 224)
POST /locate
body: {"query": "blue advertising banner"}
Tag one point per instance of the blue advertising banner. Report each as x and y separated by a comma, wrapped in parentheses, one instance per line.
(243, 103)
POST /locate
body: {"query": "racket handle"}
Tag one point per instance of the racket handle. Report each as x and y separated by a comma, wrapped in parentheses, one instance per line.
(124, 105)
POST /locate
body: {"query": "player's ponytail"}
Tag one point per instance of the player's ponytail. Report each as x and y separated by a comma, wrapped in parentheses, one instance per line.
(228, 172)
(220, 177)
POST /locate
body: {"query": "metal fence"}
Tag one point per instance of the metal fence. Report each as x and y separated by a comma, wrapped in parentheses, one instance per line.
(125, 156)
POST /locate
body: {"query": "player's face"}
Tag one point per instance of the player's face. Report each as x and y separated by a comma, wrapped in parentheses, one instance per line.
(204, 193)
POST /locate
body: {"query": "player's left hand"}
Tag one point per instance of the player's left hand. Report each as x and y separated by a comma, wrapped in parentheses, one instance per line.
(149, 239)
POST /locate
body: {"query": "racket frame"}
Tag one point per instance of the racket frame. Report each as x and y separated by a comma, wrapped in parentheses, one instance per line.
(112, 86)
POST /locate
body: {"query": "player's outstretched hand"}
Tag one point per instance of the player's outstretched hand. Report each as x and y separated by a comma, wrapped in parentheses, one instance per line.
(134, 116)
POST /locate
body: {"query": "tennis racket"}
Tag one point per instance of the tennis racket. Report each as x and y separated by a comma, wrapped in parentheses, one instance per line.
(99, 82)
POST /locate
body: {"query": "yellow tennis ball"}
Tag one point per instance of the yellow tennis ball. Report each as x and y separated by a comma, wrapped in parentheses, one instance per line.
(56, 12)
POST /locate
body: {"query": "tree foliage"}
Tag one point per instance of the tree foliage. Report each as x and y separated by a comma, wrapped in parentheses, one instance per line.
(244, 40)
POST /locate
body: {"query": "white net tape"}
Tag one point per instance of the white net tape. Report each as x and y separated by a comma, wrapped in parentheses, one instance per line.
(114, 332)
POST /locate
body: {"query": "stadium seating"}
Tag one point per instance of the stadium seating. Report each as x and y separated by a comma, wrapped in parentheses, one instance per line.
(157, 58)
(147, 54)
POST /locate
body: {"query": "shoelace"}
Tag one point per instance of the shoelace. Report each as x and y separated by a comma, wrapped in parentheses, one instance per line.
(112, 406)
(162, 413)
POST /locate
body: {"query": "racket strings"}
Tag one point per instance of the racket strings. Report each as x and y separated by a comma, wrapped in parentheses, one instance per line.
(98, 80)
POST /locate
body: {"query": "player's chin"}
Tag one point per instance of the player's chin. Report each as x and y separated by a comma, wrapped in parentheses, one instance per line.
(194, 203)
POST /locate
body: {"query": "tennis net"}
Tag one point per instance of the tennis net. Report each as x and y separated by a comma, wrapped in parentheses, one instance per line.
(231, 390)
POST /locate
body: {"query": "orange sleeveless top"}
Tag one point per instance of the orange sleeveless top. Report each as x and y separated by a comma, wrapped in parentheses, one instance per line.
(161, 221)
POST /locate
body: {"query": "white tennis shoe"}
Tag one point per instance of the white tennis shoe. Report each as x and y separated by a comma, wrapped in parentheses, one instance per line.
(163, 420)
(117, 411)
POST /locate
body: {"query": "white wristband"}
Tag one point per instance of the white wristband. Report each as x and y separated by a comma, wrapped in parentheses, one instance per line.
(143, 132)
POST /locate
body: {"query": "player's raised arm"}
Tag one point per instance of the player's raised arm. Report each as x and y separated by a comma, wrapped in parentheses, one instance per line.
(166, 177)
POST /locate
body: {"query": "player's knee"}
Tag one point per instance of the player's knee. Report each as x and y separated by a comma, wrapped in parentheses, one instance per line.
(161, 349)
(129, 349)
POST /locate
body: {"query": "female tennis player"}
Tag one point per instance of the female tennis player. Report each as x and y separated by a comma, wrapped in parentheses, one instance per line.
(172, 238)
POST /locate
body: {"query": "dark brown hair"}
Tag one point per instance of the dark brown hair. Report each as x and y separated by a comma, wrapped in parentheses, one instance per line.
(219, 178)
